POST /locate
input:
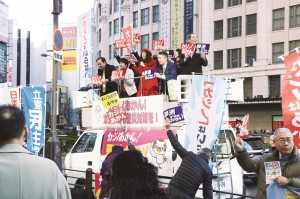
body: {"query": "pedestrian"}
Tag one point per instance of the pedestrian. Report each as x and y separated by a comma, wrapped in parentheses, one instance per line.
(166, 71)
(107, 166)
(149, 86)
(128, 88)
(286, 153)
(193, 62)
(192, 172)
(22, 174)
(105, 71)
(272, 143)
(178, 60)
(134, 178)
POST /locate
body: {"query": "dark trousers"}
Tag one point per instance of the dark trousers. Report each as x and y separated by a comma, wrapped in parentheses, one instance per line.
(176, 194)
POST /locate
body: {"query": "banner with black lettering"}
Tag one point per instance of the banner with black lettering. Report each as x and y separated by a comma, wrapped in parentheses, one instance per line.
(33, 99)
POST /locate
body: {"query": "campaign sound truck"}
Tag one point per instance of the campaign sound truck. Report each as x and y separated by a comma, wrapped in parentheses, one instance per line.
(198, 117)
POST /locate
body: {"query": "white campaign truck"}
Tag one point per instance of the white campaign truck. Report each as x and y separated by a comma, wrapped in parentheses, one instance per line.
(145, 128)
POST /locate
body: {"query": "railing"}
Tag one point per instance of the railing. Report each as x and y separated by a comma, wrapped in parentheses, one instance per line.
(83, 186)
(214, 190)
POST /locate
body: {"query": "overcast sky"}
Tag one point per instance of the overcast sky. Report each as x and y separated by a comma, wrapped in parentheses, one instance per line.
(31, 15)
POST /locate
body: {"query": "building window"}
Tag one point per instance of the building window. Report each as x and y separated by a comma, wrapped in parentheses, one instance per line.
(234, 2)
(278, 50)
(116, 26)
(155, 14)
(145, 16)
(248, 87)
(251, 21)
(234, 27)
(135, 19)
(295, 16)
(219, 4)
(116, 5)
(110, 28)
(155, 36)
(250, 55)
(218, 32)
(278, 19)
(110, 51)
(99, 53)
(248, 1)
(135, 1)
(110, 7)
(144, 41)
(294, 44)
(234, 58)
(122, 21)
(99, 35)
(218, 60)
(99, 9)
(122, 1)
(274, 86)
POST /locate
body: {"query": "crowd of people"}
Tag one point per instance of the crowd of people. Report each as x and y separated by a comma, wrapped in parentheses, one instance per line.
(128, 174)
(134, 73)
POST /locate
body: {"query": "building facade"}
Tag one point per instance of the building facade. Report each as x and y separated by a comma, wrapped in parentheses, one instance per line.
(246, 39)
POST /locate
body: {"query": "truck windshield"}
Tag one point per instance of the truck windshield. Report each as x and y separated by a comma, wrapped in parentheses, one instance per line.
(86, 143)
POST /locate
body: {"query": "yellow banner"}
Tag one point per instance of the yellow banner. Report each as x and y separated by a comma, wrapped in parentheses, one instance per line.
(177, 23)
(69, 60)
(110, 100)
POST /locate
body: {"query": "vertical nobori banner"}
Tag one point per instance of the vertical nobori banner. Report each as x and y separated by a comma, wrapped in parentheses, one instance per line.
(85, 52)
(33, 99)
(188, 15)
(165, 22)
(205, 110)
(291, 95)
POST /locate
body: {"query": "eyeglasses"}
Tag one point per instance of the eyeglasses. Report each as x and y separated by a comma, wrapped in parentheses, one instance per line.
(283, 140)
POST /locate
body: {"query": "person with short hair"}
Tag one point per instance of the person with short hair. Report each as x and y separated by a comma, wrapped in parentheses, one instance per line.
(193, 62)
(128, 88)
(192, 172)
(286, 153)
(105, 71)
(23, 175)
(166, 71)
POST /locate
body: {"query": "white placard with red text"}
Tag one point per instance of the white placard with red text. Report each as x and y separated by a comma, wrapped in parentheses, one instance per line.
(115, 75)
(120, 43)
(244, 132)
(96, 80)
(142, 112)
(158, 44)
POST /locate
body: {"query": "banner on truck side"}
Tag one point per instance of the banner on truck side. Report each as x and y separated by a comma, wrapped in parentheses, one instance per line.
(153, 144)
(205, 109)
(143, 112)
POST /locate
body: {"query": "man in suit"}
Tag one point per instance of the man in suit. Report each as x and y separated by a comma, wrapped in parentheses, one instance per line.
(105, 71)
(166, 71)
(193, 62)
(23, 175)
(128, 88)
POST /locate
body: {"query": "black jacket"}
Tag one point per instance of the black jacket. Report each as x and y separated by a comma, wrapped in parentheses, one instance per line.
(193, 64)
(192, 172)
(111, 86)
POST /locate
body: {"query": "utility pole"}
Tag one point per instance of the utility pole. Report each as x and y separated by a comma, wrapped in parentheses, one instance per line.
(53, 145)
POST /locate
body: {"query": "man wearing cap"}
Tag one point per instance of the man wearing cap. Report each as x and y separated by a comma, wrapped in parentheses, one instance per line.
(286, 153)
(128, 88)
(192, 172)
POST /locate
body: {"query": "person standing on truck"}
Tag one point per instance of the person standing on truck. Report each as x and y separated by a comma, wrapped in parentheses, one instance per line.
(22, 174)
(192, 172)
(286, 153)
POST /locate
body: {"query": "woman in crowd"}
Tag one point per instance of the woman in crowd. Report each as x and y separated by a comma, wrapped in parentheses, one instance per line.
(133, 177)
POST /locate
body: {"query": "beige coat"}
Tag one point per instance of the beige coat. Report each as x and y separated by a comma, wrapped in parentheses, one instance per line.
(24, 176)
(256, 164)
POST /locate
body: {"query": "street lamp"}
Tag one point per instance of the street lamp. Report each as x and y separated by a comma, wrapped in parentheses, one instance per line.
(53, 145)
